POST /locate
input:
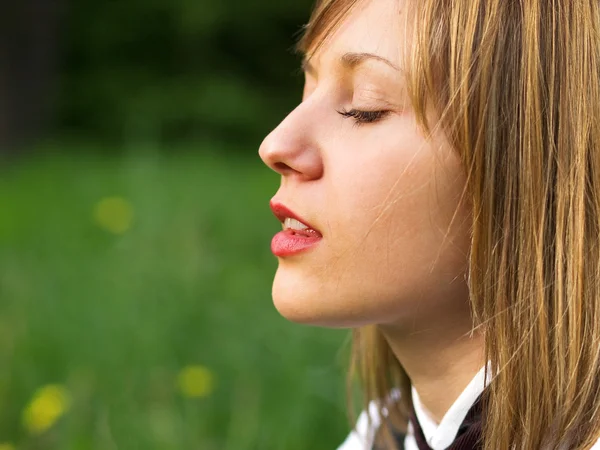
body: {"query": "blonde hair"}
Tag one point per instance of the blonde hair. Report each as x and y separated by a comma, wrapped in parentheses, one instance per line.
(516, 85)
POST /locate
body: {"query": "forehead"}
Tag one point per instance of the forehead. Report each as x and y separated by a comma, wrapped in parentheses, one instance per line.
(373, 26)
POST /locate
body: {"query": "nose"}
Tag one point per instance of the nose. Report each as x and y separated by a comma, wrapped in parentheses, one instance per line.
(291, 149)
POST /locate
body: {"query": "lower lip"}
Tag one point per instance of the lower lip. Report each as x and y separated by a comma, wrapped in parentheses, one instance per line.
(287, 243)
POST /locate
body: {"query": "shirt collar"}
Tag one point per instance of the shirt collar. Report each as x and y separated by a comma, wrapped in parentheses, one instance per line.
(440, 436)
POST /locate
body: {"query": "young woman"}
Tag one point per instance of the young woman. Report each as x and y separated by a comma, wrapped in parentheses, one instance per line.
(440, 195)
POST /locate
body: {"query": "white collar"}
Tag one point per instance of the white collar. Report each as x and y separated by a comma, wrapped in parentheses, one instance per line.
(440, 436)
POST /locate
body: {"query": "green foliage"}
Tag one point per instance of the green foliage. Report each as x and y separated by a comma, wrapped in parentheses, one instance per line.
(115, 312)
(178, 69)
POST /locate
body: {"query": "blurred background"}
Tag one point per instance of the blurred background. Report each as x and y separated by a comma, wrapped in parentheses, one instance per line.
(135, 270)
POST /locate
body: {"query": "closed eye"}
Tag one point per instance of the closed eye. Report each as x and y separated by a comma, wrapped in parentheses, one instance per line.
(364, 117)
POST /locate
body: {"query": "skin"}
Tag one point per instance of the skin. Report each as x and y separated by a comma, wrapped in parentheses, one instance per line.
(387, 201)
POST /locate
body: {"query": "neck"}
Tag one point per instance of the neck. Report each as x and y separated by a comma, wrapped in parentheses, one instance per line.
(439, 360)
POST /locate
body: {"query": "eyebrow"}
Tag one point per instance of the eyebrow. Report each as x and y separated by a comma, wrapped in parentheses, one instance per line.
(352, 60)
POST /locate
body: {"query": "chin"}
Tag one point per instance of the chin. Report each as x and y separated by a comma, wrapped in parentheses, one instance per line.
(297, 311)
(307, 302)
(296, 299)
(294, 310)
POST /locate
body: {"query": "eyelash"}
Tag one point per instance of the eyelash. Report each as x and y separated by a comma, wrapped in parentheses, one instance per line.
(362, 117)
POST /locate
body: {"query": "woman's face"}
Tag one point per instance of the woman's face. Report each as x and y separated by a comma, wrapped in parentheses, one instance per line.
(390, 239)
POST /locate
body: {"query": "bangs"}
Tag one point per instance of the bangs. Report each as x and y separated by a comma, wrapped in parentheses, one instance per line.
(324, 20)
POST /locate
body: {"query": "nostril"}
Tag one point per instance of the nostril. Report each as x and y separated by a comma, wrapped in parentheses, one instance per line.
(282, 167)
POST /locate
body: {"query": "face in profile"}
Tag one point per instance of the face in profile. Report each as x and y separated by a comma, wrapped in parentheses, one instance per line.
(374, 230)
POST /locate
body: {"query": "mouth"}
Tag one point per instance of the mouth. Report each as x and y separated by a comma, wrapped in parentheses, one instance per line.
(293, 222)
(297, 235)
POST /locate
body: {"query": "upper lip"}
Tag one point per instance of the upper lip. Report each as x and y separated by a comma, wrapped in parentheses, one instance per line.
(282, 212)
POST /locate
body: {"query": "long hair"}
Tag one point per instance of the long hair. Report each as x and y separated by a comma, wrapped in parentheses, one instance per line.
(516, 88)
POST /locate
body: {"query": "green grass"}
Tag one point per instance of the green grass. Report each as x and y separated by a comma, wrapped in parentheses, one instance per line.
(115, 317)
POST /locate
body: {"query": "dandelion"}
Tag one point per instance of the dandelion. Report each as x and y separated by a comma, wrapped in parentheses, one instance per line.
(47, 406)
(114, 214)
(195, 381)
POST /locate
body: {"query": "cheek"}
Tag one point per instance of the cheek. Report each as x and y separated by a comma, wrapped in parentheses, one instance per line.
(399, 234)
(390, 188)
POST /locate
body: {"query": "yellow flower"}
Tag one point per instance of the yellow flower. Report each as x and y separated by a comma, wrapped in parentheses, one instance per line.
(195, 381)
(114, 214)
(7, 446)
(47, 405)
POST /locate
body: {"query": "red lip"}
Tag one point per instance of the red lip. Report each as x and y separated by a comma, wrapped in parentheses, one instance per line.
(282, 212)
(291, 242)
